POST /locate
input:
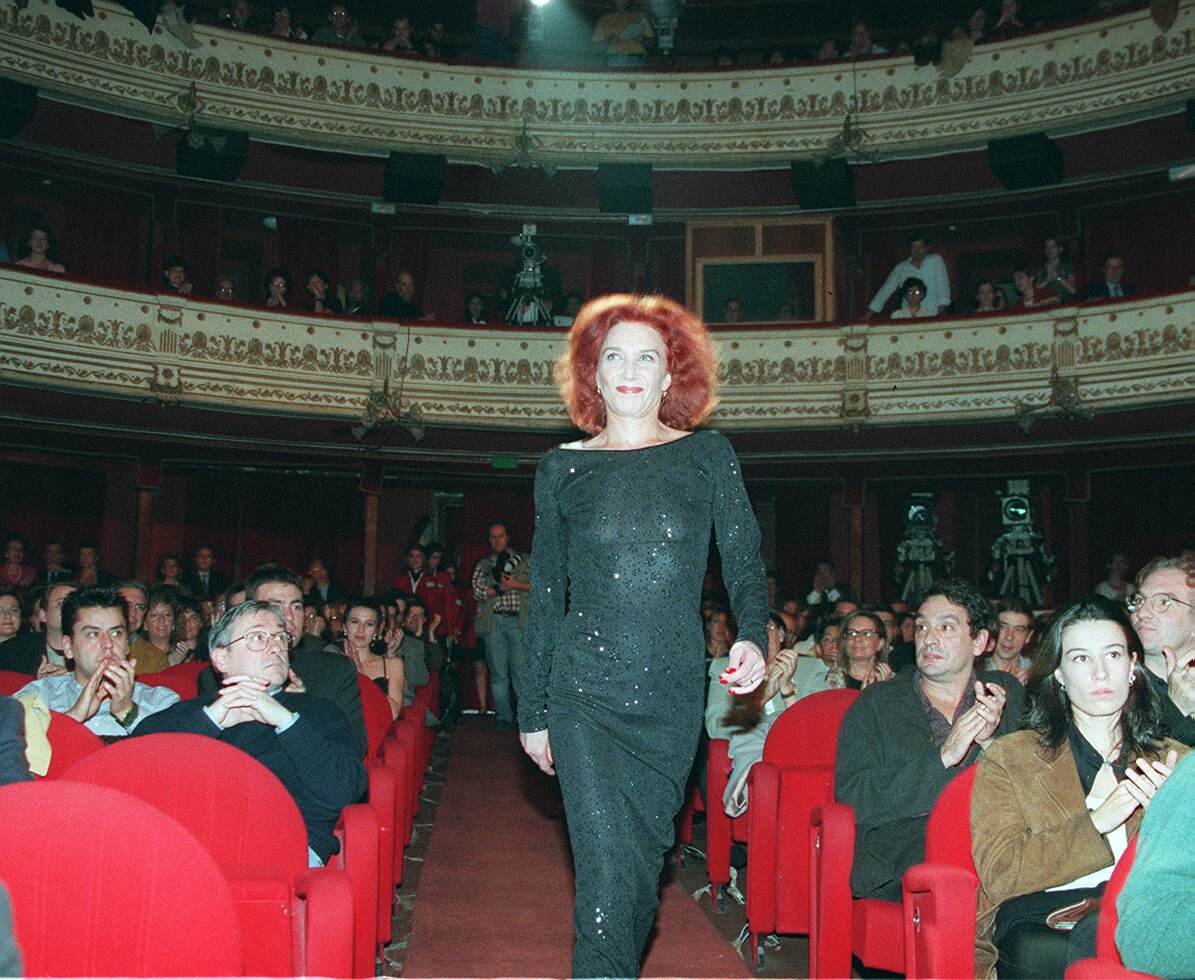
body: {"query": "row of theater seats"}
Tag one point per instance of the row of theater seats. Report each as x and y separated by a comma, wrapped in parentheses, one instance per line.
(178, 855)
(800, 847)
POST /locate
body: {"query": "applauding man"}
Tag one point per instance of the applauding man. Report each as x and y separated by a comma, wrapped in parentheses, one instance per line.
(262, 709)
(903, 741)
(101, 692)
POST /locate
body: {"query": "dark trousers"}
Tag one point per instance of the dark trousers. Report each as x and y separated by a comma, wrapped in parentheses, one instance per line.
(1029, 948)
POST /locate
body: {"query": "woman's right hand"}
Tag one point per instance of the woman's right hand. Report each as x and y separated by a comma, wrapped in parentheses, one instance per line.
(538, 746)
(1141, 781)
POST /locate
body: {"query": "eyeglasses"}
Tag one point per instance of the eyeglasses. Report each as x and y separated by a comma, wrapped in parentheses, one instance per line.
(856, 634)
(258, 641)
(1157, 603)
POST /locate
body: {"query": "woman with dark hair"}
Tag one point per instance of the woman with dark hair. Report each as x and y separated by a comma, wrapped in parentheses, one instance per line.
(320, 298)
(988, 298)
(190, 624)
(153, 650)
(277, 286)
(14, 570)
(1054, 806)
(373, 649)
(862, 647)
(42, 251)
(10, 613)
(913, 291)
(170, 570)
(1056, 272)
(611, 689)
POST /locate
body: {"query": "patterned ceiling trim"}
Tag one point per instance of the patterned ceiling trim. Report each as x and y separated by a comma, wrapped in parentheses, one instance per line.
(79, 337)
(1084, 76)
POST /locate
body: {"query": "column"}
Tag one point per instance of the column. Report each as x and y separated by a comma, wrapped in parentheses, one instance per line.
(371, 485)
(1078, 497)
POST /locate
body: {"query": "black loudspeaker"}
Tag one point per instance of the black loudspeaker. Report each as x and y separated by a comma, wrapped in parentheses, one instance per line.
(823, 186)
(625, 188)
(17, 103)
(1026, 161)
(414, 178)
(212, 154)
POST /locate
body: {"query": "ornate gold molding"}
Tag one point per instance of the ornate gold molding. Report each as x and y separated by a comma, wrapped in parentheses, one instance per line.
(1087, 75)
(75, 337)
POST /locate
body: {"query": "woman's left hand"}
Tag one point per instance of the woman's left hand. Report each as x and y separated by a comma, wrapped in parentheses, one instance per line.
(394, 637)
(746, 668)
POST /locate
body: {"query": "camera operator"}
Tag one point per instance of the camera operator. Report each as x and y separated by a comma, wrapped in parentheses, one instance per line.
(501, 582)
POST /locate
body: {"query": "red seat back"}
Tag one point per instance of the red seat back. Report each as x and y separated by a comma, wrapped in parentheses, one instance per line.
(104, 885)
(1105, 937)
(234, 805)
(182, 679)
(70, 741)
(375, 708)
(807, 733)
(948, 832)
(12, 681)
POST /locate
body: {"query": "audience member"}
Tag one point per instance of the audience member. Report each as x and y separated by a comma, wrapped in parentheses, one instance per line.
(226, 289)
(14, 768)
(323, 589)
(912, 292)
(152, 651)
(622, 34)
(988, 298)
(262, 710)
(1056, 272)
(732, 311)
(170, 571)
(1026, 289)
(1014, 634)
(374, 649)
(54, 569)
(921, 264)
(135, 596)
(356, 299)
(862, 640)
(189, 643)
(1054, 806)
(282, 26)
(474, 309)
(902, 741)
(1112, 286)
(977, 24)
(1156, 907)
(825, 591)
(399, 40)
(15, 571)
(819, 672)
(10, 616)
(202, 580)
(42, 251)
(1162, 607)
(339, 29)
(174, 269)
(90, 571)
(862, 44)
(239, 15)
(500, 582)
(322, 674)
(829, 50)
(319, 296)
(1117, 585)
(435, 42)
(277, 286)
(401, 304)
(1010, 22)
(492, 27)
(777, 56)
(101, 692)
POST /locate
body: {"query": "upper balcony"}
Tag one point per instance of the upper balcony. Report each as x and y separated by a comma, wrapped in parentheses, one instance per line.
(1084, 76)
(1072, 361)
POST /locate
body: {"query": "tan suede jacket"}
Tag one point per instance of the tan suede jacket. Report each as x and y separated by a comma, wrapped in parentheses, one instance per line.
(1030, 828)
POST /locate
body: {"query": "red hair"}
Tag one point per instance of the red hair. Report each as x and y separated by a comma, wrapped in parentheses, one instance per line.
(691, 360)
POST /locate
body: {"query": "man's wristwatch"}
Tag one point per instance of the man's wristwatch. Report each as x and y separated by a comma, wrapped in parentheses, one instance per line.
(129, 718)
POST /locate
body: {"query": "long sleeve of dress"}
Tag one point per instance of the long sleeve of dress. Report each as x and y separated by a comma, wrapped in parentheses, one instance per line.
(738, 545)
(545, 601)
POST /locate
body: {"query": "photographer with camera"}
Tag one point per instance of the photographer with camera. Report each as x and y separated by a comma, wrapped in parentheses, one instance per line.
(501, 582)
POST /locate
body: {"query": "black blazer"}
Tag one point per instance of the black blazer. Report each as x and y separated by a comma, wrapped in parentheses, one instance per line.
(1099, 290)
(14, 768)
(326, 675)
(890, 770)
(217, 582)
(23, 652)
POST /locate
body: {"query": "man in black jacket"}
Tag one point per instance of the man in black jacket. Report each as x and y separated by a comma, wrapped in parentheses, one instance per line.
(303, 739)
(1162, 607)
(1112, 286)
(904, 739)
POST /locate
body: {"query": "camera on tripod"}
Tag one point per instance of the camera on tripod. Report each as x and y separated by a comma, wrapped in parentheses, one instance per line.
(527, 299)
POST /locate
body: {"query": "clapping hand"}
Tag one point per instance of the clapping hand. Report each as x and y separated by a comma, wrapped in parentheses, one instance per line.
(977, 725)
(90, 698)
(117, 682)
(1141, 781)
(47, 669)
(294, 683)
(1180, 679)
(878, 672)
(779, 674)
(746, 668)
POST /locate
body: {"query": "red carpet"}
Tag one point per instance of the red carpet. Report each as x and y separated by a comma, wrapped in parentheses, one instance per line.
(496, 891)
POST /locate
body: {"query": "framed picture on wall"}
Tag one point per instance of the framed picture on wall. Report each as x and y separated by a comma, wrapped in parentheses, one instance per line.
(780, 288)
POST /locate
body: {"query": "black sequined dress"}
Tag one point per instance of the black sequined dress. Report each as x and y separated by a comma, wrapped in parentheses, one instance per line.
(618, 678)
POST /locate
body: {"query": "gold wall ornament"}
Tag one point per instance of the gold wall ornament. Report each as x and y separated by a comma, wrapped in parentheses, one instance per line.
(1088, 75)
(73, 337)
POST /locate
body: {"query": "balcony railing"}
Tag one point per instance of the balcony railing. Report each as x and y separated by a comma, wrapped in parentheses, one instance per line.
(1081, 76)
(76, 336)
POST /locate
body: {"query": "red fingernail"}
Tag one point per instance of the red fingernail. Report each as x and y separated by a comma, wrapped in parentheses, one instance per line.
(732, 670)
(721, 680)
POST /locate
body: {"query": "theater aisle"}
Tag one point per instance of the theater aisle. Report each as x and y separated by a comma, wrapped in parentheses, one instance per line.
(495, 891)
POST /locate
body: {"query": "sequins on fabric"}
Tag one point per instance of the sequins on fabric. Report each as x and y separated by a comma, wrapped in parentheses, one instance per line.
(617, 675)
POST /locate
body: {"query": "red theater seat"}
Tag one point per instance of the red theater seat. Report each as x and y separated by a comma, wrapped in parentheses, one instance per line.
(1107, 964)
(70, 741)
(182, 679)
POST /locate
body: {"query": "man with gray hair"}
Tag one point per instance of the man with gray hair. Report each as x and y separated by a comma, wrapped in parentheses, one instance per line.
(1162, 607)
(263, 710)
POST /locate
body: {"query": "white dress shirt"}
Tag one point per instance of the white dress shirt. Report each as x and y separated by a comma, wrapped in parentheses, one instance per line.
(932, 272)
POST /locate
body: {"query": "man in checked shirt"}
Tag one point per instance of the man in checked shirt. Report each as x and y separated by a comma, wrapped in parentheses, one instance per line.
(500, 585)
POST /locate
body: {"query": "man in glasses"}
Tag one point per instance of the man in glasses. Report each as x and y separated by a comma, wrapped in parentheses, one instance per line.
(1162, 607)
(303, 739)
(100, 692)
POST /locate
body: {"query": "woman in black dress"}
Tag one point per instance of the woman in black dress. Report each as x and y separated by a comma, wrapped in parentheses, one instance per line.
(615, 675)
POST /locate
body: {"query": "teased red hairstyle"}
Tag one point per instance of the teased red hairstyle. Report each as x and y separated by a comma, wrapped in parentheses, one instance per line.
(691, 361)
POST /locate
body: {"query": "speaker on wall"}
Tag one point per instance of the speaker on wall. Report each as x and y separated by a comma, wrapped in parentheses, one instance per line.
(17, 104)
(414, 178)
(211, 154)
(1019, 162)
(823, 185)
(625, 188)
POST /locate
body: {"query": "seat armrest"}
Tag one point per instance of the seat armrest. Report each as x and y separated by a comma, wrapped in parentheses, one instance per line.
(357, 831)
(831, 857)
(324, 930)
(939, 921)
